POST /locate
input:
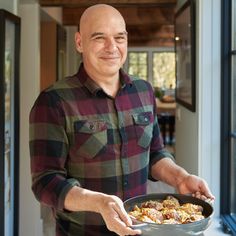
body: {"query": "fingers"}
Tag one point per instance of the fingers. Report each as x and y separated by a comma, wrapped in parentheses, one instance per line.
(124, 221)
(204, 192)
(116, 218)
(198, 187)
(118, 226)
(123, 214)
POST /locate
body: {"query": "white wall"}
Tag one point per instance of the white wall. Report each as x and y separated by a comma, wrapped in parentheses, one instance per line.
(30, 222)
(9, 5)
(209, 94)
(54, 12)
(72, 54)
(198, 133)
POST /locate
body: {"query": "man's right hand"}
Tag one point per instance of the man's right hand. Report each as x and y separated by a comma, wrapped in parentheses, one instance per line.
(116, 218)
(110, 207)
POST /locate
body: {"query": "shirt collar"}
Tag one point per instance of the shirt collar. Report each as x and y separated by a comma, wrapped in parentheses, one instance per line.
(95, 88)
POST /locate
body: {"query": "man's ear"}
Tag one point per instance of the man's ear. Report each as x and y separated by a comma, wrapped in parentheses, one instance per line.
(78, 43)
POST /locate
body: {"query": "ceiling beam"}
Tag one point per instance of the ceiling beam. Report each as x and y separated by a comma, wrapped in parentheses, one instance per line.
(133, 16)
(148, 22)
(79, 3)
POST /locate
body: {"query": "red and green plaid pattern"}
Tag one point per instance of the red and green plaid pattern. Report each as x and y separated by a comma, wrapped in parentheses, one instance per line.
(81, 136)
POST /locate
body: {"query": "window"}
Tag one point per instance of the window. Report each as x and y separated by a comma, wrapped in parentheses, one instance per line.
(154, 65)
(228, 141)
(164, 70)
(138, 64)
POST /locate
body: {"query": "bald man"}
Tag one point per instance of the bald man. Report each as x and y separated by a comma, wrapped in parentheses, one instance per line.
(95, 139)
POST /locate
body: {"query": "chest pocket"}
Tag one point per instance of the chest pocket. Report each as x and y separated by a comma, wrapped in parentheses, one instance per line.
(143, 127)
(90, 137)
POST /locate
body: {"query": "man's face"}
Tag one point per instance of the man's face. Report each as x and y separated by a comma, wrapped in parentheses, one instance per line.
(103, 43)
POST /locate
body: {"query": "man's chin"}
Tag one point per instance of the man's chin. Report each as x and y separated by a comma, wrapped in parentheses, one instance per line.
(112, 68)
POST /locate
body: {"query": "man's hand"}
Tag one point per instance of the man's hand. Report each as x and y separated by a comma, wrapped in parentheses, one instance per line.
(110, 207)
(115, 216)
(195, 185)
(169, 172)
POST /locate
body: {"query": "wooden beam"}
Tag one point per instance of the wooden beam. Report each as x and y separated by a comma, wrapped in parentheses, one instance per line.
(133, 16)
(156, 42)
(149, 22)
(149, 34)
(79, 3)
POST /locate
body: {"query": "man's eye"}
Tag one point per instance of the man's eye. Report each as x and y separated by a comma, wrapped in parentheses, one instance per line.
(99, 38)
(120, 39)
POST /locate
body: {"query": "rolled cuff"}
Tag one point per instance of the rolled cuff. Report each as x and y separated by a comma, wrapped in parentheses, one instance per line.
(69, 185)
(155, 157)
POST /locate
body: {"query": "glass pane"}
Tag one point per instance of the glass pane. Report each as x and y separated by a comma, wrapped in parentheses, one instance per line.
(234, 25)
(133, 58)
(138, 64)
(9, 127)
(233, 154)
(143, 70)
(233, 179)
(164, 70)
(133, 69)
(143, 58)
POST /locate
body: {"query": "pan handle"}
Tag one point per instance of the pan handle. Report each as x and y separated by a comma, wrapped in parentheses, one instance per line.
(137, 225)
(140, 226)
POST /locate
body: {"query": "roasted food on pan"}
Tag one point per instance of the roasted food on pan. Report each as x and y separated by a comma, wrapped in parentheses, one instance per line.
(167, 211)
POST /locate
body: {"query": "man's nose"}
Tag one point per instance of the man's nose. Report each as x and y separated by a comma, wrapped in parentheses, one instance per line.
(110, 44)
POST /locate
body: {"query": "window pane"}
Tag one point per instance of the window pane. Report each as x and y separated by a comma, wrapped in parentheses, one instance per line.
(234, 25)
(164, 70)
(233, 179)
(133, 58)
(133, 69)
(143, 58)
(233, 155)
(143, 71)
(138, 64)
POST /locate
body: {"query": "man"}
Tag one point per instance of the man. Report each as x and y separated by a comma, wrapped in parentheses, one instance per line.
(94, 137)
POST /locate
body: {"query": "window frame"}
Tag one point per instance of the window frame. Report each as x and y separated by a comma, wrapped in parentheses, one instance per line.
(150, 51)
(147, 60)
(227, 52)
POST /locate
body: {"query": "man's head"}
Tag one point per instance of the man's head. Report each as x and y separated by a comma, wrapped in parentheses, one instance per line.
(102, 40)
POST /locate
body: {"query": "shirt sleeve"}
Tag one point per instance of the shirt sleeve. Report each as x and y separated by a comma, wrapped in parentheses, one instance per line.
(157, 150)
(48, 145)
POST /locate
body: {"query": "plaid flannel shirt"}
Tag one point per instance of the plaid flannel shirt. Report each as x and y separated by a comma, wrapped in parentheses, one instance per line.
(81, 136)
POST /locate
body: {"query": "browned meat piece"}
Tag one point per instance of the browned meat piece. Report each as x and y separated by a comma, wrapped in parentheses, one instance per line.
(170, 214)
(153, 204)
(192, 208)
(173, 199)
(153, 214)
(184, 217)
(195, 217)
(171, 202)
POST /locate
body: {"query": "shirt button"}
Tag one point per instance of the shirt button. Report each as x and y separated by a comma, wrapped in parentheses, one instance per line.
(125, 183)
(92, 127)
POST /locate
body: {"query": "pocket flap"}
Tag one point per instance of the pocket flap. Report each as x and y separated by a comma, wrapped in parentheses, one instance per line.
(85, 126)
(144, 118)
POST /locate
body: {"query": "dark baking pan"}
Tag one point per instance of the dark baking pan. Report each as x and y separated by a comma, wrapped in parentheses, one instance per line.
(151, 229)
